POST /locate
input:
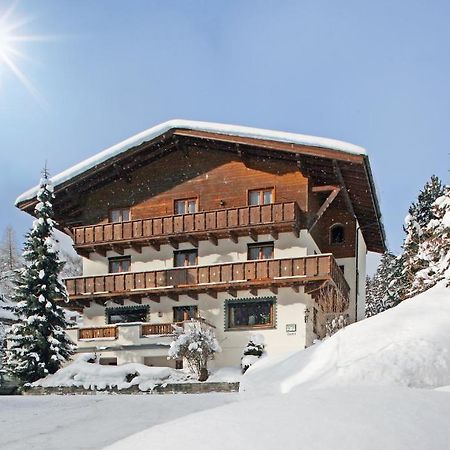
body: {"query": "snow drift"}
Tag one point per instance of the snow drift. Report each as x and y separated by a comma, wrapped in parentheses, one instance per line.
(408, 345)
(82, 373)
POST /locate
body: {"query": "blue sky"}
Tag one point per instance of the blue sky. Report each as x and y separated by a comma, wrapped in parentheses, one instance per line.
(371, 73)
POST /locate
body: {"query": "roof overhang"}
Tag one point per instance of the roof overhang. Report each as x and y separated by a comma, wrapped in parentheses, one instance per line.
(319, 157)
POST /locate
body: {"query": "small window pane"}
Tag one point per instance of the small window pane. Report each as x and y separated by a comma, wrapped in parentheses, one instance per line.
(337, 234)
(192, 258)
(125, 215)
(192, 206)
(117, 265)
(181, 313)
(267, 197)
(179, 259)
(254, 198)
(267, 252)
(179, 207)
(115, 215)
(253, 253)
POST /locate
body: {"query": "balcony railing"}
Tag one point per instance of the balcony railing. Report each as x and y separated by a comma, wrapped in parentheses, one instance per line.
(98, 332)
(221, 223)
(149, 329)
(219, 277)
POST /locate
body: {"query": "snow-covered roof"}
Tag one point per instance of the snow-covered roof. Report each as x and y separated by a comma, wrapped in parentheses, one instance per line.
(158, 130)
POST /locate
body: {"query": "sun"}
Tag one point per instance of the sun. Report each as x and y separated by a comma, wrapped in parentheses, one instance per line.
(12, 38)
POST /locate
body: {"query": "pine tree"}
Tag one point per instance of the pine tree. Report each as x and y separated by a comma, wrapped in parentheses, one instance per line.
(419, 215)
(10, 262)
(382, 290)
(434, 251)
(38, 343)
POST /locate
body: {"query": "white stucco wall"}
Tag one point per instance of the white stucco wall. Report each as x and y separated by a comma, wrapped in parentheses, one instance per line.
(289, 309)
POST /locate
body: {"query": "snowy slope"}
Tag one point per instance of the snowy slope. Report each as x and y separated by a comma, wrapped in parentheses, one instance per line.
(158, 130)
(408, 345)
(339, 419)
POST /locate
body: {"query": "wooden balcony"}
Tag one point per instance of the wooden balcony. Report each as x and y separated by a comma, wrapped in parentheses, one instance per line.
(98, 332)
(206, 225)
(312, 271)
(149, 329)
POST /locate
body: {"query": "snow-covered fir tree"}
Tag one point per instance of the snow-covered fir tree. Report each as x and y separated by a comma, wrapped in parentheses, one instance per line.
(434, 251)
(382, 289)
(38, 343)
(416, 228)
(10, 262)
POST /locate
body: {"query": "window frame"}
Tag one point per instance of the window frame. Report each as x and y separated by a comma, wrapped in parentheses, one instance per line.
(119, 259)
(124, 309)
(261, 245)
(185, 200)
(122, 209)
(261, 195)
(272, 314)
(330, 234)
(186, 251)
(175, 308)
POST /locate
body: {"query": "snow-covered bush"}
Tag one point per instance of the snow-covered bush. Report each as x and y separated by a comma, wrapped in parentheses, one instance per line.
(195, 342)
(253, 351)
(335, 323)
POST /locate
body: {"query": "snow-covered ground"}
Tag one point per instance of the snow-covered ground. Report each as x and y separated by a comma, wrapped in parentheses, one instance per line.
(91, 421)
(383, 383)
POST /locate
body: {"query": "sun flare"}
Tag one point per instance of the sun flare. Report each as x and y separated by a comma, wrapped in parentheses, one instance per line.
(12, 39)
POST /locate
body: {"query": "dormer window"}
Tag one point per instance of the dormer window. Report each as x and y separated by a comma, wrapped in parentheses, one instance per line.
(186, 206)
(260, 197)
(119, 215)
(337, 234)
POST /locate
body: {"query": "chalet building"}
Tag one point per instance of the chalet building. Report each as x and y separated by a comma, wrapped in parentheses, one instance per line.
(246, 229)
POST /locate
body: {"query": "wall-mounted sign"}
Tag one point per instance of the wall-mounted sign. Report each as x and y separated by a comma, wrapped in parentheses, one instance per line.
(291, 327)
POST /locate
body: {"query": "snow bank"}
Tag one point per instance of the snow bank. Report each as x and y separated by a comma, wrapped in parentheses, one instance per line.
(158, 130)
(408, 345)
(340, 419)
(95, 376)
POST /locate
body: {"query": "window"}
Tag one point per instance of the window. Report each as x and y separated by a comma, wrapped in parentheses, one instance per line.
(337, 235)
(120, 264)
(257, 314)
(108, 361)
(260, 251)
(260, 196)
(185, 258)
(186, 206)
(126, 314)
(181, 313)
(119, 215)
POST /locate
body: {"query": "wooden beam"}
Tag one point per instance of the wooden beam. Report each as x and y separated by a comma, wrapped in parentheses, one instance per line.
(233, 237)
(211, 293)
(348, 201)
(254, 291)
(274, 233)
(155, 245)
(173, 296)
(324, 188)
(273, 289)
(253, 235)
(192, 295)
(295, 288)
(192, 240)
(137, 300)
(99, 250)
(333, 194)
(174, 243)
(232, 292)
(296, 231)
(213, 239)
(118, 249)
(137, 248)
(154, 298)
(69, 233)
